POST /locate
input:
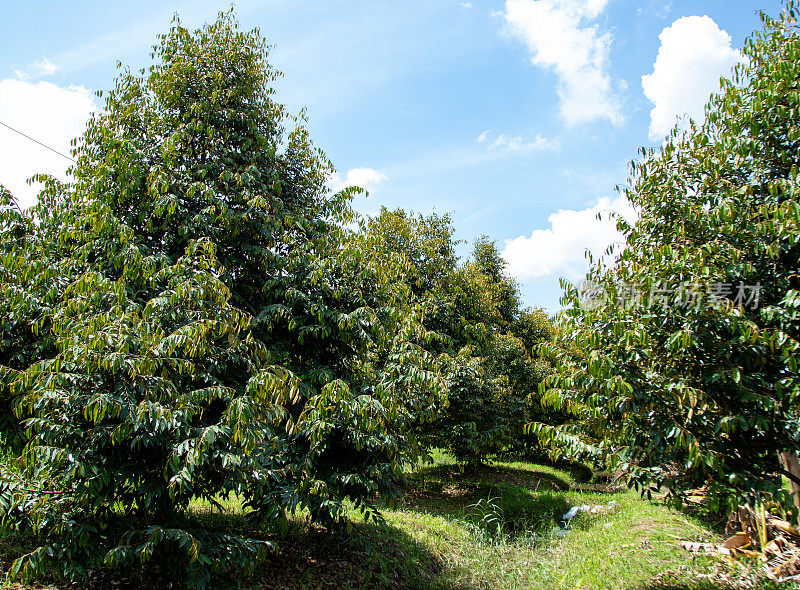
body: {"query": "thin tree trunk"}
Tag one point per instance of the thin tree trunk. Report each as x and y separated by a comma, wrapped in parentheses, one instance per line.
(792, 465)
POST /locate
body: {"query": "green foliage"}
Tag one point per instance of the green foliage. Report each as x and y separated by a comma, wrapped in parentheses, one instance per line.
(475, 423)
(685, 392)
(495, 374)
(419, 249)
(471, 315)
(32, 276)
(201, 325)
(503, 289)
(532, 326)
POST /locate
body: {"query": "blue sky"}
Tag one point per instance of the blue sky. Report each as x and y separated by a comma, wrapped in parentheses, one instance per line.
(518, 117)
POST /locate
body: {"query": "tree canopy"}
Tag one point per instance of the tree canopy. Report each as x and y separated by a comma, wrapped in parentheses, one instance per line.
(476, 327)
(682, 368)
(202, 326)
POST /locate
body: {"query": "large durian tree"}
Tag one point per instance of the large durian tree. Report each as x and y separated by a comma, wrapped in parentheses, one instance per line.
(188, 319)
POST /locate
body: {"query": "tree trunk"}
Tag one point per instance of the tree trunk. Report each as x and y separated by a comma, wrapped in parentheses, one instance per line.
(792, 465)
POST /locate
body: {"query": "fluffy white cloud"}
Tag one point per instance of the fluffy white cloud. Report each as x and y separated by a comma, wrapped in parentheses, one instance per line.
(559, 250)
(560, 36)
(50, 114)
(694, 53)
(367, 178)
(517, 144)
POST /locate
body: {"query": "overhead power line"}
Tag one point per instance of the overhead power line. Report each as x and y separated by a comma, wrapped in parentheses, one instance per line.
(36, 141)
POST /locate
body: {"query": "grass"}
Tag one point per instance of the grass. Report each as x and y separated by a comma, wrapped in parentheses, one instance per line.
(497, 528)
(489, 527)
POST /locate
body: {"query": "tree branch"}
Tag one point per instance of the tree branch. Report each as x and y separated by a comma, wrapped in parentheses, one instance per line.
(789, 476)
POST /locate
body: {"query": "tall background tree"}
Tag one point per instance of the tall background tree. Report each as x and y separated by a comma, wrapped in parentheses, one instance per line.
(477, 328)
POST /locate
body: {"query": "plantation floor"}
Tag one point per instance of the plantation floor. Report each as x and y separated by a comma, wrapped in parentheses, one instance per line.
(493, 527)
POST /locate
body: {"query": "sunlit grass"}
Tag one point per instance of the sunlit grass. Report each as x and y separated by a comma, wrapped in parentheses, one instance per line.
(495, 526)
(489, 532)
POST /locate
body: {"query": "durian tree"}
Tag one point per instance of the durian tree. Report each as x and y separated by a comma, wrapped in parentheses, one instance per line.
(205, 326)
(680, 362)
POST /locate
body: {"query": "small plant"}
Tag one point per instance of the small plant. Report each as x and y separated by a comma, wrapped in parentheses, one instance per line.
(491, 523)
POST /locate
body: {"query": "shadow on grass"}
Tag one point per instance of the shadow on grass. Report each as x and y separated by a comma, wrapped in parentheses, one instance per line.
(578, 471)
(686, 585)
(492, 474)
(516, 499)
(498, 508)
(307, 557)
(370, 556)
(672, 583)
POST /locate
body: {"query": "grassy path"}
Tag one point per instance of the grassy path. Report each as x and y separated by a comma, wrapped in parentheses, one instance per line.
(497, 529)
(494, 527)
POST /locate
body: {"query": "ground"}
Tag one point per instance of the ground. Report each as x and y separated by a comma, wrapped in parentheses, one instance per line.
(495, 526)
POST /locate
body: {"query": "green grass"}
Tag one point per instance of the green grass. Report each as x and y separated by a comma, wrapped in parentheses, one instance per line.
(489, 527)
(496, 527)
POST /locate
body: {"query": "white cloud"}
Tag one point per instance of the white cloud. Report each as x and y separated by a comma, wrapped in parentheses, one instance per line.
(694, 53)
(560, 36)
(38, 68)
(518, 144)
(50, 114)
(367, 178)
(560, 249)
(656, 8)
(44, 67)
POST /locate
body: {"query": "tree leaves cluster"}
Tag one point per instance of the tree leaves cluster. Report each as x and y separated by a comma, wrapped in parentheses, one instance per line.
(477, 328)
(687, 383)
